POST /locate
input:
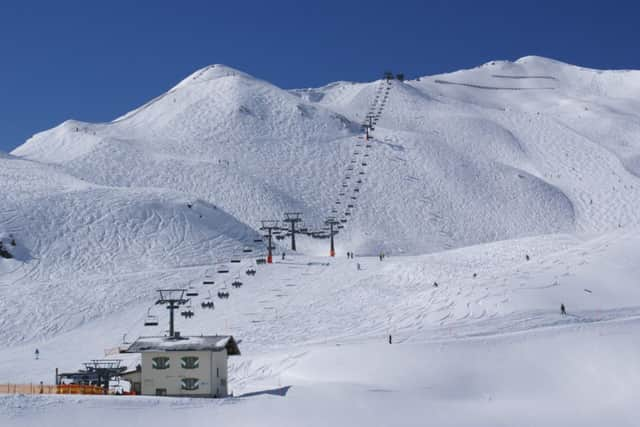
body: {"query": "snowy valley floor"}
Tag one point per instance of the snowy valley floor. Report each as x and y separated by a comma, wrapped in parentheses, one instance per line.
(488, 350)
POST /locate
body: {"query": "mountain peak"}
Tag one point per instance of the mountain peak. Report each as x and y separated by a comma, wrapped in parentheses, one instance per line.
(212, 72)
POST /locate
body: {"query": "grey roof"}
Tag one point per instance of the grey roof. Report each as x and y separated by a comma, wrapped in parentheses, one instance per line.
(201, 343)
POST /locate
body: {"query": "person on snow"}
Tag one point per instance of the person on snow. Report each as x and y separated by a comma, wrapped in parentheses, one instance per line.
(37, 354)
(283, 256)
(563, 310)
(435, 284)
(358, 265)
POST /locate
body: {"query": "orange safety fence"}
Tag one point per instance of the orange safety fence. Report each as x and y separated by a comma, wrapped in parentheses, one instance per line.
(49, 389)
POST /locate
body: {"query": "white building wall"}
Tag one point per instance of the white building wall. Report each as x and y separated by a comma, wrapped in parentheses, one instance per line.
(219, 373)
(171, 378)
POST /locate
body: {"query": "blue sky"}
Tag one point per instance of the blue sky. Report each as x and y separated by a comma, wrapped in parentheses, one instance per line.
(95, 60)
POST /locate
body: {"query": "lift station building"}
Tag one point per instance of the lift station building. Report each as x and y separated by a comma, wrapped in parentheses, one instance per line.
(194, 366)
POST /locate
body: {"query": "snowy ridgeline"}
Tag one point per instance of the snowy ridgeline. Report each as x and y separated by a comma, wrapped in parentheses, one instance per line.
(536, 162)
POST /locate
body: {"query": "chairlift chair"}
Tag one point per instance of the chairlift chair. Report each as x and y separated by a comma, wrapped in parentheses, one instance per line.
(191, 292)
(151, 320)
(247, 250)
(236, 259)
(223, 269)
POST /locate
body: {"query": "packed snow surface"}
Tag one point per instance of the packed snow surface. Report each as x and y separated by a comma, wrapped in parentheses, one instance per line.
(497, 193)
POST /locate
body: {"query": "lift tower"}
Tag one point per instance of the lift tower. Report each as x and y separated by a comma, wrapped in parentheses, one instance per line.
(269, 225)
(332, 222)
(173, 299)
(292, 218)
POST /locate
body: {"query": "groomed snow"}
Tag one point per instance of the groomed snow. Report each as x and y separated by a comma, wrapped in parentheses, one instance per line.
(513, 186)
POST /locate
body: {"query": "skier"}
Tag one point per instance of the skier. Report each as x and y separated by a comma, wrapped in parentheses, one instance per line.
(435, 284)
(37, 354)
(563, 310)
(283, 256)
(390, 339)
(527, 257)
(358, 266)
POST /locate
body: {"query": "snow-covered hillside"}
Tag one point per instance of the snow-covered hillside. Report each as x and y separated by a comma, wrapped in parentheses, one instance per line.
(501, 151)
(514, 186)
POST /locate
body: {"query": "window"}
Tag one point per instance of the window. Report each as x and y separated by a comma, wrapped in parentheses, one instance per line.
(190, 362)
(161, 392)
(160, 363)
(190, 384)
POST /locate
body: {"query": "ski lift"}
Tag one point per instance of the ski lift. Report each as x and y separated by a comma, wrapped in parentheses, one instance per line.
(364, 163)
(359, 181)
(208, 282)
(343, 220)
(340, 226)
(191, 292)
(349, 206)
(280, 237)
(261, 261)
(187, 314)
(250, 272)
(150, 320)
(303, 230)
(236, 283)
(356, 190)
(223, 269)
(347, 213)
(341, 194)
(257, 240)
(353, 197)
(361, 173)
(247, 250)
(235, 259)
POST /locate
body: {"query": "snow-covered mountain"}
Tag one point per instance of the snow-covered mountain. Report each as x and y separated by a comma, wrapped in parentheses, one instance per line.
(513, 185)
(492, 153)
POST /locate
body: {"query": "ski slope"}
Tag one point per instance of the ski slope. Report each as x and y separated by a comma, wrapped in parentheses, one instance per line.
(513, 186)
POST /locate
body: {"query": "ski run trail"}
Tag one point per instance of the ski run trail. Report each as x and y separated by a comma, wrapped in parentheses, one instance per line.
(496, 193)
